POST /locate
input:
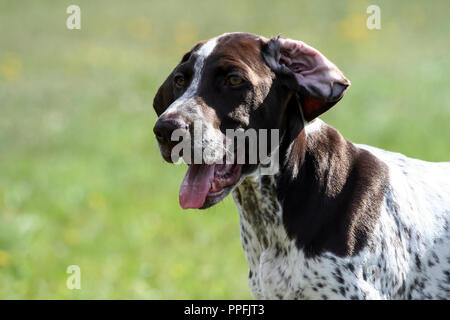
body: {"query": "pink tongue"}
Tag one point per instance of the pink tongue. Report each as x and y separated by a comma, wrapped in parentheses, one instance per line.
(195, 185)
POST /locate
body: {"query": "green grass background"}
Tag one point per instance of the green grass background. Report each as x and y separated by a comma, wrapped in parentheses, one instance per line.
(81, 178)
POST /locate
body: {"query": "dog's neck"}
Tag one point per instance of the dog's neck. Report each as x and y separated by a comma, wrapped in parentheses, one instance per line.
(329, 191)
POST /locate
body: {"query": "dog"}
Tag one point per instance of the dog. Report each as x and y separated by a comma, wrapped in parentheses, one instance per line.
(337, 220)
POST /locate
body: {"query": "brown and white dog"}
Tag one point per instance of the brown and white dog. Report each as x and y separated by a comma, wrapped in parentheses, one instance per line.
(338, 220)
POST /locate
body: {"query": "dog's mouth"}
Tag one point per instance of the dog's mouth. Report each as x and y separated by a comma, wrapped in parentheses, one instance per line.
(204, 184)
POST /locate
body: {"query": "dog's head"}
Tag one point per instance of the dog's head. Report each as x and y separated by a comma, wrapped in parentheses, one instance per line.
(238, 81)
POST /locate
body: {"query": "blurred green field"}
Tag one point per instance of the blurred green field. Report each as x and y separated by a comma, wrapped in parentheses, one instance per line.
(81, 178)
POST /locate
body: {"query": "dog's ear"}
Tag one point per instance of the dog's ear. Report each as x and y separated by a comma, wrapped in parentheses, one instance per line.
(319, 83)
(165, 94)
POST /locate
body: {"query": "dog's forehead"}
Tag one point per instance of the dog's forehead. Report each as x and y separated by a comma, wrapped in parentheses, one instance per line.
(237, 41)
(231, 48)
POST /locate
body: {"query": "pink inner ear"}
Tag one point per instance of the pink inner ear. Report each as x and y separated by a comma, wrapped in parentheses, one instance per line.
(312, 70)
(322, 81)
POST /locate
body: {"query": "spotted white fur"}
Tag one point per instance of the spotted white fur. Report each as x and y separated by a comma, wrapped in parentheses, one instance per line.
(313, 126)
(407, 256)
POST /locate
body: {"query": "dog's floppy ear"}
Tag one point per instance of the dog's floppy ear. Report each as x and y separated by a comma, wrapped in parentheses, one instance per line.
(318, 81)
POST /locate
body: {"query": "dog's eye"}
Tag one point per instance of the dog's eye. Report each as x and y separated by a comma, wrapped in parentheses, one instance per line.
(234, 80)
(180, 81)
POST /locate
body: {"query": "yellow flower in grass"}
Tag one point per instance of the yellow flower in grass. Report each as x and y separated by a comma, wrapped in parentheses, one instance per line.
(177, 271)
(72, 236)
(96, 201)
(10, 68)
(5, 258)
(95, 55)
(354, 27)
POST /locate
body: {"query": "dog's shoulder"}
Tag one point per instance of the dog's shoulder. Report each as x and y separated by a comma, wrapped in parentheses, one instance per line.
(334, 201)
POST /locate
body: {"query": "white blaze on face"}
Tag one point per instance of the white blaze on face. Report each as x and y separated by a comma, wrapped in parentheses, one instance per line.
(210, 143)
(186, 101)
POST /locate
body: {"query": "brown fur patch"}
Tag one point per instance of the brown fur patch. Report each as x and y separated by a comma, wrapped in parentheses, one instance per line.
(334, 201)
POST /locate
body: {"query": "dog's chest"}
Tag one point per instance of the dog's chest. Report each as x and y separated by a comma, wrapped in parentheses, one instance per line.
(277, 268)
(263, 238)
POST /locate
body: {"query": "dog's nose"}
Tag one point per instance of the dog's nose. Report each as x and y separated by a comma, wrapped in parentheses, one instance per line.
(164, 128)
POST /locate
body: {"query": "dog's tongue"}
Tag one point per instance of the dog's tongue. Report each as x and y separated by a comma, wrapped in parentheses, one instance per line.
(196, 185)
